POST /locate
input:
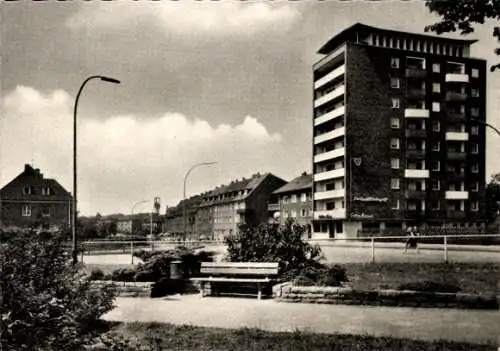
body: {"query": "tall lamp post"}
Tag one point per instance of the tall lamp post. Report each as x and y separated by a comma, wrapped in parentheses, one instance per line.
(75, 211)
(184, 193)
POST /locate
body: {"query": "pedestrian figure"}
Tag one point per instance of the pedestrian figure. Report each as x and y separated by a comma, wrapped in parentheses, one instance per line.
(411, 241)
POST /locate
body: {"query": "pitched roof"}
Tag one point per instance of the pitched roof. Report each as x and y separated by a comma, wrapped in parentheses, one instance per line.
(363, 29)
(301, 182)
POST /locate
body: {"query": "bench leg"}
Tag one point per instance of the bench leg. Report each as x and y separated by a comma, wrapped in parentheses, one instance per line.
(259, 293)
(202, 289)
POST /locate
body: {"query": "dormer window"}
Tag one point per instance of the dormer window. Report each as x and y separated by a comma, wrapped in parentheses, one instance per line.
(46, 190)
(28, 190)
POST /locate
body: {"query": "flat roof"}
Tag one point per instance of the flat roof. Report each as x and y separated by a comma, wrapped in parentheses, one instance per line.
(364, 29)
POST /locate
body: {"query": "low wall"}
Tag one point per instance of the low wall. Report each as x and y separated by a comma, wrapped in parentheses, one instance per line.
(128, 289)
(287, 292)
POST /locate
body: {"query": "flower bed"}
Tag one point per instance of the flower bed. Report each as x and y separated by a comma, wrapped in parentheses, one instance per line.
(287, 292)
(128, 289)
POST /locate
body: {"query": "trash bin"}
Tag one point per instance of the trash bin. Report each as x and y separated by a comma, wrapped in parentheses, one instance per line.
(177, 277)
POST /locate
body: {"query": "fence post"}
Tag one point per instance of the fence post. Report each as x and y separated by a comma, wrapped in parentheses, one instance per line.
(132, 251)
(373, 250)
(83, 250)
(445, 249)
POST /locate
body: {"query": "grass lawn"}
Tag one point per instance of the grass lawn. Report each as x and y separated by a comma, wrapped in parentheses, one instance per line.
(480, 278)
(170, 337)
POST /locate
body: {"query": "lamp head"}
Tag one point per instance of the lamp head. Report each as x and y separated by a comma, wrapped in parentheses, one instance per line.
(110, 80)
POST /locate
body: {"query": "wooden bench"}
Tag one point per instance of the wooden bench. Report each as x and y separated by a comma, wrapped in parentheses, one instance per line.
(259, 273)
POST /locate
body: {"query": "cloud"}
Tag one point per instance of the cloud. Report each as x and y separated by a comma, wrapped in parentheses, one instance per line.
(198, 18)
(123, 159)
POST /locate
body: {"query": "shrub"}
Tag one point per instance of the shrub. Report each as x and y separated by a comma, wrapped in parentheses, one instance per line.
(96, 274)
(123, 275)
(302, 280)
(46, 303)
(273, 243)
(319, 274)
(430, 286)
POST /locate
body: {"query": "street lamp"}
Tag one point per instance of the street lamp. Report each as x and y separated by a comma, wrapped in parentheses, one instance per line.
(75, 212)
(480, 121)
(184, 193)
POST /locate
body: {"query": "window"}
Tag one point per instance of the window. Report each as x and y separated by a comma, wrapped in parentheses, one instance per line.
(436, 126)
(475, 148)
(475, 186)
(436, 146)
(395, 83)
(474, 111)
(436, 107)
(435, 185)
(27, 190)
(474, 130)
(436, 67)
(474, 73)
(475, 168)
(395, 163)
(474, 206)
(395, 143)
(395, 102)
(294, 198)
(303, 212)
(285, 199)
(395, 183)
(436, 166)
(436, 87)
(395, 62)
(46, 191)
(46, 212)
(303, 197)
(474, 92)
(294, 213)
(395, 204)
(395, 123)
(415, 62)
(435, 205)
(285, 214)
(26, 210)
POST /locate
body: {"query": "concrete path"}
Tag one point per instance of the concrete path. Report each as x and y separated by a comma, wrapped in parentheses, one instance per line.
(225, 312)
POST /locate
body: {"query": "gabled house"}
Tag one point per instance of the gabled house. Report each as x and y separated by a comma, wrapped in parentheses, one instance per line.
(32, 201)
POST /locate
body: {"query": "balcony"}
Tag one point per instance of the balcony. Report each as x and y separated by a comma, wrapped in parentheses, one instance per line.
(416, 93)
(416, 133)
(330, 194)
(454, 175)
(414, 214)
(330, 214)
(456, 155)
(453, 214)
(329, 155)
(456, 195)
(416, 173)
(457, 136)
(329, 96)
(416, 72)
(419, 154)
(336, 173)
(456, 78)
(454, 116)
(337, 72)
(455, 96)
(339, 111)
(332, 58)
(416, 113)
(329, 135)
(415, 194)
(273, 207)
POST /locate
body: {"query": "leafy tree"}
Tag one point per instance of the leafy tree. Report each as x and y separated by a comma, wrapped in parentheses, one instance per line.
(46, 304)
(273, 243)
(492, 198)
(462, 15)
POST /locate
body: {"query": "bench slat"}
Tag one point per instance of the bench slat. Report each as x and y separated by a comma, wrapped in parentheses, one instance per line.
(239, 271)
(236, 280)
(241, 264)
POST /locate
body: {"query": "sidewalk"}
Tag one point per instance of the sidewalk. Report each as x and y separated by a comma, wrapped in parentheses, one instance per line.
(472, 326)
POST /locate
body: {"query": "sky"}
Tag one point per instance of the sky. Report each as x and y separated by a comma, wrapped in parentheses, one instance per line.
(201, 81)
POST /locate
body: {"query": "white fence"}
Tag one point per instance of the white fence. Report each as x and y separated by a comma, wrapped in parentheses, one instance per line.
(443, 243)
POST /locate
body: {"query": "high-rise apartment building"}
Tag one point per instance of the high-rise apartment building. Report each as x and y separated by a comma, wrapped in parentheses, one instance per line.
(396, 138)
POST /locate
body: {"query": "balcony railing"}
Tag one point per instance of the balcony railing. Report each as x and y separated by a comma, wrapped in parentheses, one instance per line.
(330, 214)
(336, 173)
(337, 72)
(339, 91)
(456, 195)
(456, 78)
(330, 194)
(454, 116)
(416, 133)
(273, 207)
(417, 173)
(329, 155)
(416, 153)
(339, 111)
(415, 194)
(416, 113)
(416, 72)
(329, 135)
(457, 136)
(455, 96)
(456, 155)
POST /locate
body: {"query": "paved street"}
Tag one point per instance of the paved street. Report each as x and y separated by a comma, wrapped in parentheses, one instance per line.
(225, 312)
(346, 254)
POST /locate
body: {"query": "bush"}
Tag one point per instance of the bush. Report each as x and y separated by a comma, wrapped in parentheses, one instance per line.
(318, 274)
(46, 303)
(123, 275)
(302, 280)
(430, 286)
(273, 243)
(332, 276)
(96, 274)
